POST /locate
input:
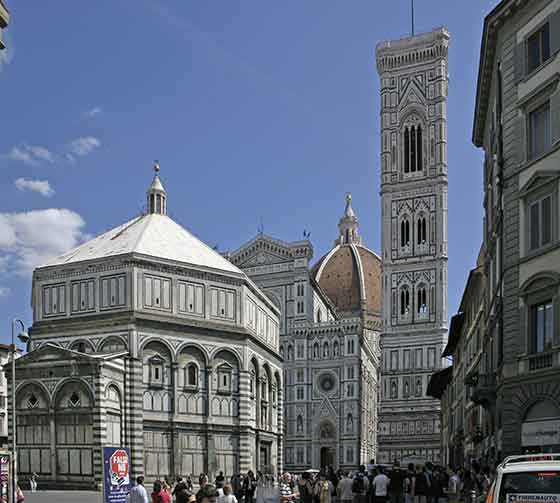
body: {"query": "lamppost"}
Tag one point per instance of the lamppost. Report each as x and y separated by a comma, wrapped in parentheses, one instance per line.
(23, 337)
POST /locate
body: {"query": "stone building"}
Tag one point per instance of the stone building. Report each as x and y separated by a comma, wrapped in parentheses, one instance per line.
(329, 339)
(517, 124)
(468, 430)
(145, 337)
(414, 81)
(4, 19)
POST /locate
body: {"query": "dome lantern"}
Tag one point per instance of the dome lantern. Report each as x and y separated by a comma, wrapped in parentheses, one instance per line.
(157, 196)
(348, 225)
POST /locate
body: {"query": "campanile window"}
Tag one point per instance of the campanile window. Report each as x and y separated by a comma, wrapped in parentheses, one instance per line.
(413, 149)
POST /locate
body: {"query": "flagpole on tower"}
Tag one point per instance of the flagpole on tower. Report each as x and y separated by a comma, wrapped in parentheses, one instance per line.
(412, 9)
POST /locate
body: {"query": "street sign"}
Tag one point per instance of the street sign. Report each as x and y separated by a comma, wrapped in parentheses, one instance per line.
(116, 476)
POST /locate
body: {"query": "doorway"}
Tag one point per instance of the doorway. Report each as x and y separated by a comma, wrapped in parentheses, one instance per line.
(327, 457)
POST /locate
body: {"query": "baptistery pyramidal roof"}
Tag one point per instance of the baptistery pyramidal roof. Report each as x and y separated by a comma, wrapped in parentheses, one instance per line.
(350, 274)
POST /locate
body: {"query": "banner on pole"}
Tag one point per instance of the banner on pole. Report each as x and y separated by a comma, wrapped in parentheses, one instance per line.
(116, 474)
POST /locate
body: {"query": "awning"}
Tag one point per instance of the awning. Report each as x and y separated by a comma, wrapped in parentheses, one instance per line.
(439, 381)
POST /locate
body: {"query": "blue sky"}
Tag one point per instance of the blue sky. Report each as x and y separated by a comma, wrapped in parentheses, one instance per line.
(254, 109)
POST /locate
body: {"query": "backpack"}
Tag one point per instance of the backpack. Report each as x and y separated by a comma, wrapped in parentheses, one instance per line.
(421, 484)
(358, 484)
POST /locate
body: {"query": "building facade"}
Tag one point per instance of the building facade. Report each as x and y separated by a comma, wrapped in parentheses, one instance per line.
(329, 339)
(517, 124)
(468, 430)
(146, 338)
(414, 82)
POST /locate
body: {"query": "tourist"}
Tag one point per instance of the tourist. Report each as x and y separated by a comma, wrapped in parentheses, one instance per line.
(138, 493)
(159, 495)
(305, 488)
(33, 482)
(323, 489)
(237, 486)
(207, 494)
(409, 485)
(220, 480)
(190, 486)
(249, 487)
(286, 491)
(344, 489)
(421, 487)
(202, 480)
(454, 487)
(180, 485)
(228, 496)
(396, 484)
(360, 486)
(380, 487)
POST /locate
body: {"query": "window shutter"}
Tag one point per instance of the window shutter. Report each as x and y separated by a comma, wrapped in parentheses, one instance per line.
(521, 138)
(555, 116)
(519, 61)
(554, 30)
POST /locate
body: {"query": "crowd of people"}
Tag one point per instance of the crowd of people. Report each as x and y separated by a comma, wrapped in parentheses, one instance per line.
(413, 484)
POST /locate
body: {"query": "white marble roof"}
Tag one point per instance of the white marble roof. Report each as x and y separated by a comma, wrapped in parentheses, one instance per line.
(151, 235)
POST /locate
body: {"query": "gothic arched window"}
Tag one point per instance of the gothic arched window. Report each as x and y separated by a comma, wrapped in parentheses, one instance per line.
(326, 350)
(299, 424)
(405, 232)
(335, 348)
(413, 148)
(290, 352)
(191, 375)
(316, 350)
(421, 305)
(349, 423)
(421, 230)
(405, 301)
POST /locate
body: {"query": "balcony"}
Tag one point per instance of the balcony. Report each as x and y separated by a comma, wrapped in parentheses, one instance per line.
(483, 389)
(540, 361)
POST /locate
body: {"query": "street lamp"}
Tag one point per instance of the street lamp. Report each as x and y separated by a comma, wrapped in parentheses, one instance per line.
(23, 336)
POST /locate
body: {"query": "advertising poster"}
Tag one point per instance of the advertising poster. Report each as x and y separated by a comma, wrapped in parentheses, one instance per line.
(4, 477)
(116, 474)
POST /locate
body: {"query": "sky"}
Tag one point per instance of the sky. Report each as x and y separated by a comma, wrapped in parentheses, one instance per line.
(256, 110)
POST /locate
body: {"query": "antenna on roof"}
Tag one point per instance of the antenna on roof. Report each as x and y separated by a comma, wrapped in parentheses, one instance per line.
(412, 17)
(260, 229)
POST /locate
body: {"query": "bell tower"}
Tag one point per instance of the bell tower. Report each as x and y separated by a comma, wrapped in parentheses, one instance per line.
(413, 73)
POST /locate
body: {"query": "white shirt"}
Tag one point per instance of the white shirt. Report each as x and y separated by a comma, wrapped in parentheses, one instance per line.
(230, 498)
(138, 494)
(381, 482)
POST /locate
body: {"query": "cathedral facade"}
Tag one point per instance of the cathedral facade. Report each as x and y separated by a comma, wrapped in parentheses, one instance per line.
(146, 338)
(414, 80)
(329, 340)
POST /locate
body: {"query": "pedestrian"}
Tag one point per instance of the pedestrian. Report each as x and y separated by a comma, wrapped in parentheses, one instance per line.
(360, 486)
(454, 487)
(323, 489)
(344, 489)
(202, 480)
(396, 484)
(207, 494)
(409, 485)
(421, 486)
(33, 482)
(249, 487)
(220, 480)
(237, 486)
(286, 491)
(159, 495)
(305, 488)
(228, 496)
(180, 486)
(184, 496)
(380, 487)
(138, 493)
(19, 494)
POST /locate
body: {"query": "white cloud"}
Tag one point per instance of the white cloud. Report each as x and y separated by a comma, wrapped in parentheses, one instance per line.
(29, 239)
(84, 145)
(4, 290)
(7, 55)
(93, 112)
(31, 154)
(43, 187)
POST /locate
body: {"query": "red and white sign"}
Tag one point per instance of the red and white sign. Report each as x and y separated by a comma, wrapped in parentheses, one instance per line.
(119, 467)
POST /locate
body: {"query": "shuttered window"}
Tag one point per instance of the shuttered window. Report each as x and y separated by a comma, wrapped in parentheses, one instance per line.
(539, 128)
(83, 296)
(222, 303)
(113, 292)
(157, 292)
(54, 300)
(540, 223)
(191, 298)
(538, 48)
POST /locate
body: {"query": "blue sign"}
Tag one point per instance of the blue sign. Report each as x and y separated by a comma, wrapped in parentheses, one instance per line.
(116, 474)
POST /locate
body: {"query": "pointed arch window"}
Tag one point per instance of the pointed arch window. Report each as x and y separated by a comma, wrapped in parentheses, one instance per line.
(299, 424)
(350, 347)
(421, 305)
(335, 349)
(326, 350)
(405, 232)
(349, 423)
(290, 352)
(421, 230)
(405, 301)
(316, 350)
(413, 151)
